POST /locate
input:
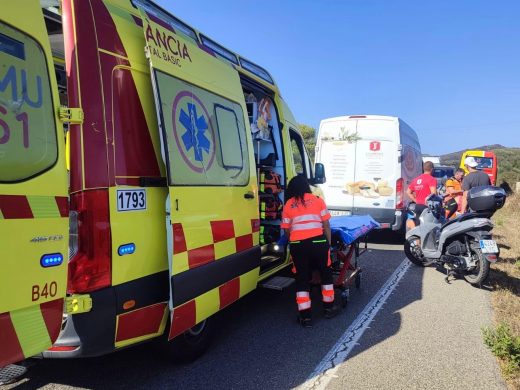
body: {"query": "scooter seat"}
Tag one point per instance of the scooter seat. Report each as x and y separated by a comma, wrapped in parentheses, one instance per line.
(461, 218)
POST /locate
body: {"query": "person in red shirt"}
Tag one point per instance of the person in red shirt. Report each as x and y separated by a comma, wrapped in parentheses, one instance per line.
(419, 189)
(305, 220)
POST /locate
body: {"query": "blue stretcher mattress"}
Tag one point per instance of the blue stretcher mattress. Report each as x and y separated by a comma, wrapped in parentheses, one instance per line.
(351, 227)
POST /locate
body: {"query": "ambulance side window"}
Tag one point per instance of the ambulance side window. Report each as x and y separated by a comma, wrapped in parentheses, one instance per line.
(28, 139)
(301, 161)
(229, 137)
(205, 135)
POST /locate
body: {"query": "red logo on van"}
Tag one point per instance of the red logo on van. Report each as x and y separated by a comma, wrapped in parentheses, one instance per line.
(375, 146)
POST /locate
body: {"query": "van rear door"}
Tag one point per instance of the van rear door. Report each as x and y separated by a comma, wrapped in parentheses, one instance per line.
(336, 151)
(33, 187)
(214, 255)
(376, 170)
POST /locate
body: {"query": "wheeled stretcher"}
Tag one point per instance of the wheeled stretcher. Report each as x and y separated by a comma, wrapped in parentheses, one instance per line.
(349, 241)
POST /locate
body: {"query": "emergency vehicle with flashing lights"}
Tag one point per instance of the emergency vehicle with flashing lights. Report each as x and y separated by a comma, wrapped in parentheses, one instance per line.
(486, 160)
(370, 161)
(179, 152)
(33, 187)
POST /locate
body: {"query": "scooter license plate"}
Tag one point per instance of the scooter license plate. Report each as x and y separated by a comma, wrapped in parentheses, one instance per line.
(488, 246)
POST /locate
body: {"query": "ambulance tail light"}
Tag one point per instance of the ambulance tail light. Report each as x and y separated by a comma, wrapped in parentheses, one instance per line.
(90, 264)
(399, 189)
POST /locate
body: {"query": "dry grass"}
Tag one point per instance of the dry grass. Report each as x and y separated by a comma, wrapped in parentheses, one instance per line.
(505, 280)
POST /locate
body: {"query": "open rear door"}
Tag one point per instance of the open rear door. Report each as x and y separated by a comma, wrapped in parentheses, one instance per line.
(213, 210)
(33, 187)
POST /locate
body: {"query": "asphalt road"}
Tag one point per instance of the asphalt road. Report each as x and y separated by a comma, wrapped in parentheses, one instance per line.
(426, 335)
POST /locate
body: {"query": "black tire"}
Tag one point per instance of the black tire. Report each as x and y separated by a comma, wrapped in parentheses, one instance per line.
(410, 249)
(341, 298)
(190, 345)
(480, 273)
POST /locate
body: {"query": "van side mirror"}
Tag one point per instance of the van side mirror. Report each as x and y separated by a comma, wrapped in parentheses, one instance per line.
(319, 174)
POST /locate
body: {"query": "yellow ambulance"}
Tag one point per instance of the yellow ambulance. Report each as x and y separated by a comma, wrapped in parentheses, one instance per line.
(33, 187)
(177, 176)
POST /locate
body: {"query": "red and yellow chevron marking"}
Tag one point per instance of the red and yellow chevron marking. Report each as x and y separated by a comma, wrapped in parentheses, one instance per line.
(189, 314)
(27, 207)
(141, 324)
(225, 243)
(28, 331)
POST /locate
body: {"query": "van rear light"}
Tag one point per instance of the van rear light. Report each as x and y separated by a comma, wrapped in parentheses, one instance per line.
(399, 189)
(90, 264)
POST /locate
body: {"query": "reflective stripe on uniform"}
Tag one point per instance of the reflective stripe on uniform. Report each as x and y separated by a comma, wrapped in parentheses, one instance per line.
(307, 218)
(303, 299)
(327, 292)
(306, 226)
(324, 212)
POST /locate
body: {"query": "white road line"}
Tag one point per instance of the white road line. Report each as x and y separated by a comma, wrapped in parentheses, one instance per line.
(326, 369)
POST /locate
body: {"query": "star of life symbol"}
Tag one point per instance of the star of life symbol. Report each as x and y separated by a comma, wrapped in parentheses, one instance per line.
(195, 135)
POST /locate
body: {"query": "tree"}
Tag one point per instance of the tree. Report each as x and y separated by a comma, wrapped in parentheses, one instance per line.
(309, 139)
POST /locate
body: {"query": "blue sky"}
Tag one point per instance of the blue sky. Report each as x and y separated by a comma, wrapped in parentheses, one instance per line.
(450, 68)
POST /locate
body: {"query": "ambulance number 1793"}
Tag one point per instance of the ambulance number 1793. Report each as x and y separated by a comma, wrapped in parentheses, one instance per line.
(129, 200)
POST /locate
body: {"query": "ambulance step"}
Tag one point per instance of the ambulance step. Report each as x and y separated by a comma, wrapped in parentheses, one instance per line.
(269, 262)
(11, 373)
(278, 283)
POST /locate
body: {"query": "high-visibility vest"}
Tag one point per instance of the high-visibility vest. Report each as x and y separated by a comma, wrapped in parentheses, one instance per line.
(304, 220)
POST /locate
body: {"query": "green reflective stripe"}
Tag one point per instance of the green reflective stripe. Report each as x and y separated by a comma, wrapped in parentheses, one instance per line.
(295, 242)
(44, 206)
(316, 241)
(31, 330)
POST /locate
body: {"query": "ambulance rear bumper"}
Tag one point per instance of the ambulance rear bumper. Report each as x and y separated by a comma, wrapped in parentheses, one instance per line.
(88, 334)
(68, 344)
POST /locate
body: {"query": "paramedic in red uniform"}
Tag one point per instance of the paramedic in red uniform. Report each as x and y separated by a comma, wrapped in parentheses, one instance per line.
(419, 189)
(305, 219)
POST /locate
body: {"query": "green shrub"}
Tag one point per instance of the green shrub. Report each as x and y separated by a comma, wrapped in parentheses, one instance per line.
(504, 345)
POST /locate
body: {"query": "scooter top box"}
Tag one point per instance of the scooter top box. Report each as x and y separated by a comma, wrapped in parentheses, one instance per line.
(486, 198)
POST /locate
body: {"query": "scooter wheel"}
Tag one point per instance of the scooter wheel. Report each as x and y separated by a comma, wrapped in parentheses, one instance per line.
(412, 250)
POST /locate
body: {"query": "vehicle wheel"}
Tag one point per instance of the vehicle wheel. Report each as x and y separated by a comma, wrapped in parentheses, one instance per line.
(479, 274)
(190, 345)
(413, 252)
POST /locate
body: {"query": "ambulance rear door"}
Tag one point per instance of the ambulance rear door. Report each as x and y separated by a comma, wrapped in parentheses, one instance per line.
(213, 228)
(33, 187)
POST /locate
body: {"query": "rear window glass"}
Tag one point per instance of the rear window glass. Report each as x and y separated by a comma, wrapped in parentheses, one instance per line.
(483, 162)
(28, 144)
(443, 172)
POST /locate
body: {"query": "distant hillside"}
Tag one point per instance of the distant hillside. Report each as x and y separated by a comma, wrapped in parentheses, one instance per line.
(508, 162)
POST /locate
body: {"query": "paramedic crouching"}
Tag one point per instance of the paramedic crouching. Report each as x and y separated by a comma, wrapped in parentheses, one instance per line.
(305, 220)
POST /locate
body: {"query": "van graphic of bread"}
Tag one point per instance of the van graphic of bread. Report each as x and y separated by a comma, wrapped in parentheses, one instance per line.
(369, 189)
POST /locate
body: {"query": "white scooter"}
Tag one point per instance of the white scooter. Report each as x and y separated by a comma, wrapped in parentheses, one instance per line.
(463, 245)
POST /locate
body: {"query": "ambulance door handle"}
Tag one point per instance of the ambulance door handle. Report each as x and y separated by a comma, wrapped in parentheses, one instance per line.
(249, 195)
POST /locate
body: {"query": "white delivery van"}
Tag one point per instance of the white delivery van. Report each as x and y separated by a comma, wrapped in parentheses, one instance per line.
(436, 160)
(369, 161)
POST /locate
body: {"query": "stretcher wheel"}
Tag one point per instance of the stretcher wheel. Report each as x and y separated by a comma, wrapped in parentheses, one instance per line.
(357, 281)
(343, 297)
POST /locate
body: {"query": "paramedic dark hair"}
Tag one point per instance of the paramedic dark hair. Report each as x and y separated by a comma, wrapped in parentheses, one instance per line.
(297, 188)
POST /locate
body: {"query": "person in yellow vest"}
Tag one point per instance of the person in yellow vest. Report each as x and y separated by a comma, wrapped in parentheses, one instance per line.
(305, 220)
